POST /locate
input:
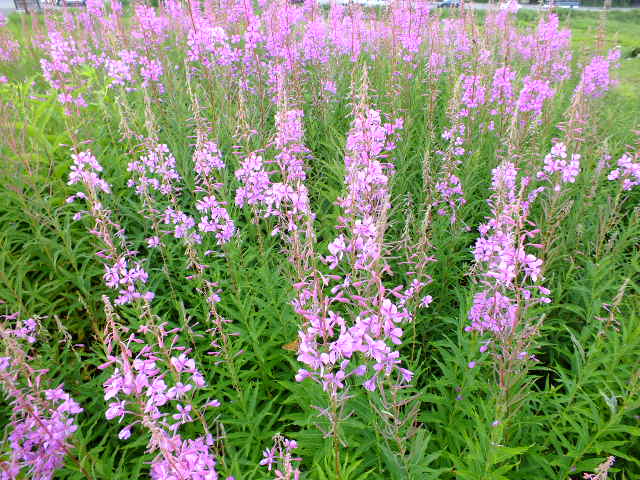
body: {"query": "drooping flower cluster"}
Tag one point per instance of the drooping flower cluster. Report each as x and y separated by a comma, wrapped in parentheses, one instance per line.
(42, 420)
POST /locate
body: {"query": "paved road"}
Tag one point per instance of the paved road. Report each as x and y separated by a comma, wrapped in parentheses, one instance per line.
(6, 6)
(476, 6)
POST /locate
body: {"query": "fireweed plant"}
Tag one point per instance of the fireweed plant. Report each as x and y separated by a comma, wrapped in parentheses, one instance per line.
(43, 419)
(287, 240)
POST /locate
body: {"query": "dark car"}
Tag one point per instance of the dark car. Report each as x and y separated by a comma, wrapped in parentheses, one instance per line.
(448, 4)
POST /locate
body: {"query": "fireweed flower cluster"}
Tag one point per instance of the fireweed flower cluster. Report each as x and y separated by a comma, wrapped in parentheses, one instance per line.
(596, 77)
(286, 199)
(550, 50)
(157, 182)
(149, 27)
(330, 341)
(152, 385)
(351, 320)
(122, 273)
(191, 460)
(155, 171)
(60, 68)
(449, 192)
(8, 46)
(502, 91)
(154, 378)
(141, 64)
(215, 219)
(558, 168)
(276, 189)
(254, 179)
(510, 277)
(209, 46)
(533, 95)
(473, 94)
(128, 67)
(500, 27)
(121, 69)
(281, 460)
(595, 81)
(42, 420)
(627, 171)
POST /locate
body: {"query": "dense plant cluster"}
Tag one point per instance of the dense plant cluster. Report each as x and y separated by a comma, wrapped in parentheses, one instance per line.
(288, 241)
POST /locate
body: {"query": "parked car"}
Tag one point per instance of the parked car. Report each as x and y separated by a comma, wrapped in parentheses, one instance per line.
(71, 3)
(448, 4)
(561, 4)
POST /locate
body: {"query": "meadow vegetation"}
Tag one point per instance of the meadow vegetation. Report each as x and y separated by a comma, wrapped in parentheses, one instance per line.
(264, 240)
